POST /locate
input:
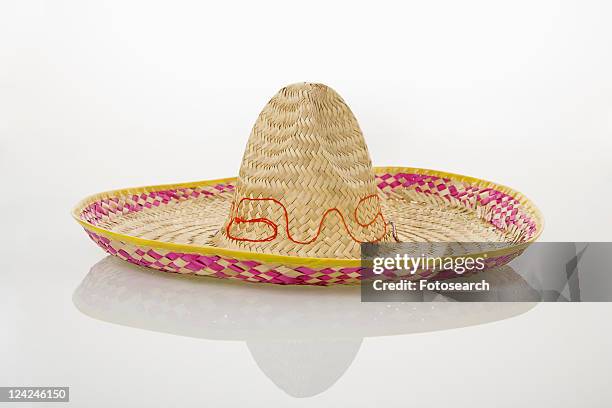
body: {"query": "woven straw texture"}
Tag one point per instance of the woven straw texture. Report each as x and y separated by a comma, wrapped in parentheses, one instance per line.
(171, 228)
(306, 159)
(305, 199)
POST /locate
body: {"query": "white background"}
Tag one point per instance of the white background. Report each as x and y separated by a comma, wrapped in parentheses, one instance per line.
(97, 95)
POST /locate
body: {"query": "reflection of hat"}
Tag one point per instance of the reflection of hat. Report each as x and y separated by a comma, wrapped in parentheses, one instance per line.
(305, 198)
(294, 333)
(303, 368)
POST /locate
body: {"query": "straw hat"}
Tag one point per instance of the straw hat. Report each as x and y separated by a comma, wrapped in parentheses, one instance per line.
(303, 339)
(305, 199)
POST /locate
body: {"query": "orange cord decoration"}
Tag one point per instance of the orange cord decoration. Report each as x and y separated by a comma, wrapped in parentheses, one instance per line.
(274, 226)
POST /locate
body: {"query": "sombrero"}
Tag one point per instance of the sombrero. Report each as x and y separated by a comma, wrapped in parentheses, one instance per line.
(302, 338)
(305, 198)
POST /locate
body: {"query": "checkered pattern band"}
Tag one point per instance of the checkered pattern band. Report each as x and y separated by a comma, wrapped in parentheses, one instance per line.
(500, 209)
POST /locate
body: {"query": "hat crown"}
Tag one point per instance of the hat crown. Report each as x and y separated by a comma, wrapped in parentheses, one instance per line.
(306, 185)
(306, 132)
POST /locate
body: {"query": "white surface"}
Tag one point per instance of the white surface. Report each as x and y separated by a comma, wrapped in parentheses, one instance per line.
(102, 95)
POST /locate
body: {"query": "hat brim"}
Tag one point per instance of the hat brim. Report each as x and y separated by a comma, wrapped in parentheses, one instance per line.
(169, 227)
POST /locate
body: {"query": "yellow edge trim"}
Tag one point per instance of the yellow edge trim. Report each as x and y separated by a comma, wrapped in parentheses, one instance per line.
(293, 260)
